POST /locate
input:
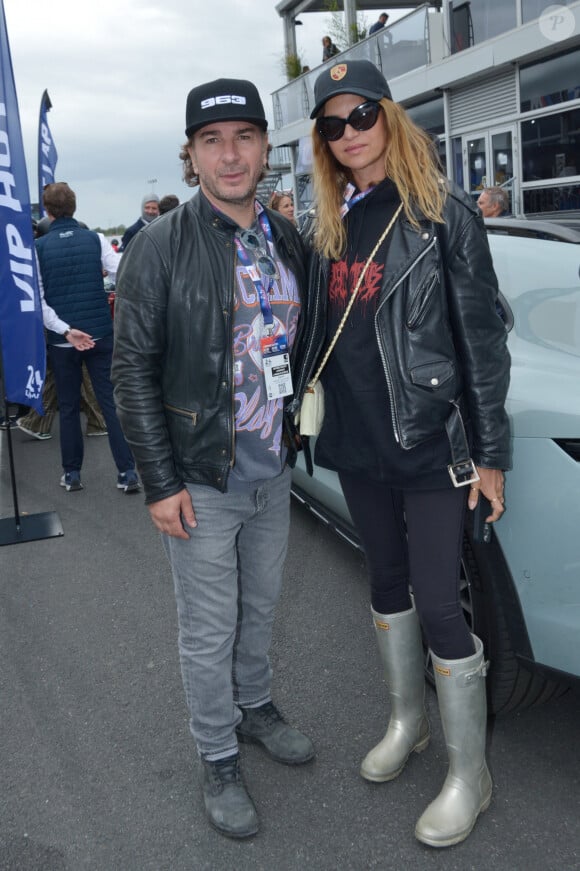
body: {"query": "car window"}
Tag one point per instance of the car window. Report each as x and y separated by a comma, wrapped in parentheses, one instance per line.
(540, 280)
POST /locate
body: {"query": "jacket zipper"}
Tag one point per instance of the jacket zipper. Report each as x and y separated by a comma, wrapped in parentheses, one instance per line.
(382, 352)
(420, 306)
(233, 368)
(192, 414)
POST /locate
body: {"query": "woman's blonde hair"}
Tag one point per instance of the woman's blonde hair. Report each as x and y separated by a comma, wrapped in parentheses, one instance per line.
(411, 162)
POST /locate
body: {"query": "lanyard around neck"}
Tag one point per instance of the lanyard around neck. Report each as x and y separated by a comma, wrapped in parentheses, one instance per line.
(349, 200)
(263, 288)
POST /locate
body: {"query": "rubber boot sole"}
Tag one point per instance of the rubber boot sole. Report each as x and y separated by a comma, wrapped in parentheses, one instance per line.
(236, 836)
(385, 778)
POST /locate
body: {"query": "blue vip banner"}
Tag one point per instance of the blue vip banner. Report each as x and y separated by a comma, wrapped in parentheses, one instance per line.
(21, 330)
(47, 154)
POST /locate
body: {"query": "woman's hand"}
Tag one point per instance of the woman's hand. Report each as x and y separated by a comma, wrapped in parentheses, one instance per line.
(491, 484)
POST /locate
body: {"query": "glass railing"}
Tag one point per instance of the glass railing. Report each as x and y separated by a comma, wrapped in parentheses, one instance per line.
(279, 157)
(398, 49)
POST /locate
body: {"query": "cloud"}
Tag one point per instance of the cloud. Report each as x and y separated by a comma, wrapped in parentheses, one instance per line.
(118, 73)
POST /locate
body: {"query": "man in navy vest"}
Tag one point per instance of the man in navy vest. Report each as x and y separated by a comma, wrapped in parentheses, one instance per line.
(71, 273)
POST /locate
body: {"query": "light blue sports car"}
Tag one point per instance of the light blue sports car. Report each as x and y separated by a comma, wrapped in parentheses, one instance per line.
(521, 589)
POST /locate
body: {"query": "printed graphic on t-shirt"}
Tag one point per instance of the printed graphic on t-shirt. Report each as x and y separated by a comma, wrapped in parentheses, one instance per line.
(343, 281)
(254, 413)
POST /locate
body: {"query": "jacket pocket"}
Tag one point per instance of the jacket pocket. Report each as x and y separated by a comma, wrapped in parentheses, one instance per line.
(422, 299)
(183, 413)
(433, 375)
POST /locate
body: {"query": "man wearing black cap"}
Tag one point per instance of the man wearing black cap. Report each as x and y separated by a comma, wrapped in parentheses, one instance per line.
(208, 311)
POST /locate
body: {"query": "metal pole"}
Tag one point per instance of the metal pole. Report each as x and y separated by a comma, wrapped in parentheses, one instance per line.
(350, 22)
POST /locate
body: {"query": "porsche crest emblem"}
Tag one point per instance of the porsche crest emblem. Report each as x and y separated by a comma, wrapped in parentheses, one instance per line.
(338, 72)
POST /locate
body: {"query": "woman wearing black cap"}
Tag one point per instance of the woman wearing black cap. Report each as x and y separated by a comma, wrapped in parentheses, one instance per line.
(414, 393)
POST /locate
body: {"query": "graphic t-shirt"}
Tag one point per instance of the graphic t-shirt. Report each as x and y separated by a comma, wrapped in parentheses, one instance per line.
(259, 450)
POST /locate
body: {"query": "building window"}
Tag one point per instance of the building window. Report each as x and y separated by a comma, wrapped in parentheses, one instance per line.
(538, 201)
(532, 9)
(457, 151)
(431, 118)
(429, 115)
(551, 146)
(550, 82)
(474, 21)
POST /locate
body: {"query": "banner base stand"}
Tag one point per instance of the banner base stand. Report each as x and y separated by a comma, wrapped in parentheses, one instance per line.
(31, 527)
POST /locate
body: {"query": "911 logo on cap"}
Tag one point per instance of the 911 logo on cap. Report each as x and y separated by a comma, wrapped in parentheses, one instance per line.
(223, 99)
(338, 72)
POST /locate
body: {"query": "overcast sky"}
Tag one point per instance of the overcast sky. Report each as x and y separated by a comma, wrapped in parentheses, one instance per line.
(118, 73)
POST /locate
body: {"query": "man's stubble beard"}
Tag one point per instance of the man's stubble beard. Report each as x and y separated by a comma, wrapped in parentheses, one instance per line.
(236, 200)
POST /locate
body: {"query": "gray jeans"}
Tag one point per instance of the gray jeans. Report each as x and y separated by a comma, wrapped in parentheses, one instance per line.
(227, 578)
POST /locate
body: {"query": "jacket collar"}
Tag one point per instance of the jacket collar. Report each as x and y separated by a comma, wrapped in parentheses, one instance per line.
(59, 223)
(209, 215)
(223, 224)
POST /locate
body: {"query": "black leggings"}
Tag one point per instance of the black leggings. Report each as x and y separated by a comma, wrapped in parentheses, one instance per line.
(413, 538)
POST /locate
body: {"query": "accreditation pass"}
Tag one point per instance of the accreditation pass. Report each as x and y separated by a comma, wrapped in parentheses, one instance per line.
(277, 372)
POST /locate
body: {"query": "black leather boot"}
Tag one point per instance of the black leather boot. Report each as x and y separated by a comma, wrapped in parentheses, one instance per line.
(228, 806)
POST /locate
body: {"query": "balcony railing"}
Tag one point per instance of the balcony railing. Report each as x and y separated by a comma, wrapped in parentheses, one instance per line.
(398, 49)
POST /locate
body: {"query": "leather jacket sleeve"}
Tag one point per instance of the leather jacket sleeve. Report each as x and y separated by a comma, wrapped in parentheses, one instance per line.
(478, 333)
(142, 288)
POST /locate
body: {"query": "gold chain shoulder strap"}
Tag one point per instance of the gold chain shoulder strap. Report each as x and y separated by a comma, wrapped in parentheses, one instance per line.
(384, 235)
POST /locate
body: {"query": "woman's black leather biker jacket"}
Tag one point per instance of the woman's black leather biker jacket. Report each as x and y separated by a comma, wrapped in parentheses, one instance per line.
(173, 359)
(441, 341)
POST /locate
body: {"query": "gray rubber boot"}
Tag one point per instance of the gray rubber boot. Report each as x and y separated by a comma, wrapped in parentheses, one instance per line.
(401, 651)
(467, 789)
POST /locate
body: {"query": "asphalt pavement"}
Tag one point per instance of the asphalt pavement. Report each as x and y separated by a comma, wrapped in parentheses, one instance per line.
(97, 767)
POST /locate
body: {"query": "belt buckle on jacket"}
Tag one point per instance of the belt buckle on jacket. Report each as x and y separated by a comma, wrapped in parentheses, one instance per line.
(463, 473)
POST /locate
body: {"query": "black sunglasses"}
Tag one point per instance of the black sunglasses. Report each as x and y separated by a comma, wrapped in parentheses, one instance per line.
(363, 117)
(263, 261)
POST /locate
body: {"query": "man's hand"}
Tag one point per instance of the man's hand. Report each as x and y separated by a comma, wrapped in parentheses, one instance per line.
(79, 340)
(173, 514)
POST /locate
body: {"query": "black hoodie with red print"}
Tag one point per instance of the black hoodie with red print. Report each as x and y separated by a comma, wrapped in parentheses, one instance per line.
(357, 434)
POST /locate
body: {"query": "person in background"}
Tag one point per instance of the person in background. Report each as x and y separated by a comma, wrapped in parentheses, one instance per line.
(378, 25)
(328, 48)
(71, 275)
(39, 426)
(283, 202)
(202, 372)
(168, 202)
(149, 211)
(494, 202)
(415, 423)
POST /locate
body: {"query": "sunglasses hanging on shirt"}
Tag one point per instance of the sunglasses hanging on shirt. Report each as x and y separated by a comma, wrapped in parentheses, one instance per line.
(264, 263)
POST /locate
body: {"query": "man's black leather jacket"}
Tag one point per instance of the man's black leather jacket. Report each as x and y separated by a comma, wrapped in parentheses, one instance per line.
(441, 341)
(173, 359)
